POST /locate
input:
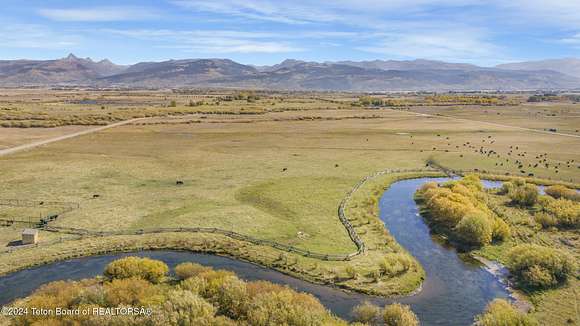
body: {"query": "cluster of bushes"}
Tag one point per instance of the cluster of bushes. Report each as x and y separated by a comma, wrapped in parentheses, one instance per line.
(561, 208)
(538, 267)
(559, 212)
(195, 103)
(391, 315)
(375, 101)
(199, 296)
(520, 192)
(150, 270)
(241, 96)
(395, 264)
(53, 123)
(501, 313)
(460, 207)
(466, 100)
(558, 191)
(544, 98)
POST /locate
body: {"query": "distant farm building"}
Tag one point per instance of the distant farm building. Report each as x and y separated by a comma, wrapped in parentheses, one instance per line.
(29, 236)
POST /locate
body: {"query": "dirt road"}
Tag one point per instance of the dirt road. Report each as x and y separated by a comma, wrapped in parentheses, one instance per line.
(495, 124)
(12, 150)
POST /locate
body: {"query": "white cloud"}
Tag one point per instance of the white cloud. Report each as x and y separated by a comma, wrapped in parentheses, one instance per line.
(563, 13)
(98, 14)
(212, 41)
(573, 40)
(220, 46)
(461, 45)
(168, 34)
(35, 37)
(298, 12)
(349, 12)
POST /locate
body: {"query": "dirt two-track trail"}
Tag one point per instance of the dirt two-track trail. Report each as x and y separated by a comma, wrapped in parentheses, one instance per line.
(24, 147)
(494, 124)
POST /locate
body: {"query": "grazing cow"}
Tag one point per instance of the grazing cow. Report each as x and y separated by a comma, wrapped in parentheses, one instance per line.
(96, 196)
(179, 182)
(284, 169)
(336, 165)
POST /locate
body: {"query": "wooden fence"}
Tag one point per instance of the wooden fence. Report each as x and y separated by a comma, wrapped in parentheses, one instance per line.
(234, 235)
(60, 208)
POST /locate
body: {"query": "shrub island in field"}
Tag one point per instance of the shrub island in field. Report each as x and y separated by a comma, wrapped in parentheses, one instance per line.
(560, 207)
(539, 267)
(459, 209)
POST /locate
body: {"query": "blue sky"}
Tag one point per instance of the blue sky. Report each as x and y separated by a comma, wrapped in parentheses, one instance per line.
(269, 31)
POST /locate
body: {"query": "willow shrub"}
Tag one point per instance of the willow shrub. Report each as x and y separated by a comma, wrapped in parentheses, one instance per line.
(186, 270)
(399, 315)
(460, 206)
(367, 313)
(559, 191)
(501, 313)
(520, 192)
(545, 220)
(130, 291)
(151, 270)
(186, 308)
(566, 212)
(287, 308)
(475, 228)
(501, 230)
(540, 267)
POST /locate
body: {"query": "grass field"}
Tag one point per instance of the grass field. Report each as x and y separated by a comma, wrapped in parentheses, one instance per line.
(277, 175)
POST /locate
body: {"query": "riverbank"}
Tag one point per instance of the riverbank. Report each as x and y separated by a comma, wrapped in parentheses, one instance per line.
(518, 298)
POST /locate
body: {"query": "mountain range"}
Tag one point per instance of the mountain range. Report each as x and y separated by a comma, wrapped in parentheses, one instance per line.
(377, 75)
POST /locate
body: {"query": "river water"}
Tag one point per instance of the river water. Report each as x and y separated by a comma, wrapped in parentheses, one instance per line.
(454, 292)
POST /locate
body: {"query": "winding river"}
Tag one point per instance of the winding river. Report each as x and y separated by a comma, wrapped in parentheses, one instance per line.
(454, 292)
